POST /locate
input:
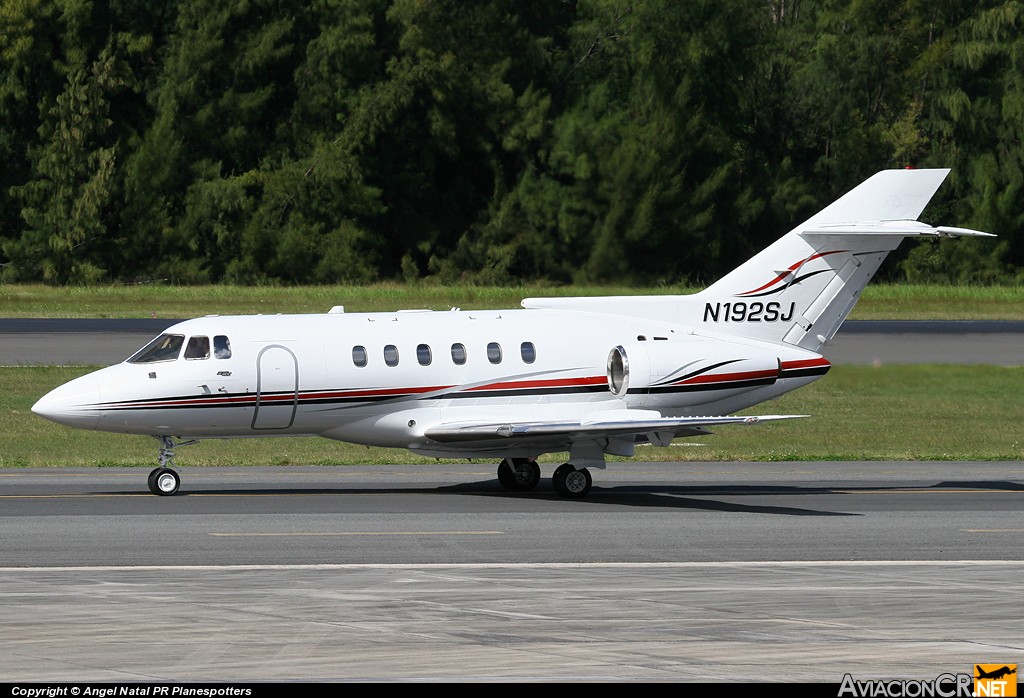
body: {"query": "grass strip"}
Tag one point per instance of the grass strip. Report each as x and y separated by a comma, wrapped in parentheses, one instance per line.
(879, 301)
(919, 412)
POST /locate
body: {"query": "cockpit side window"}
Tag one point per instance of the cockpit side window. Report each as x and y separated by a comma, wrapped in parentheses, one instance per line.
(221, 347)
(166, 347)
(198, 348)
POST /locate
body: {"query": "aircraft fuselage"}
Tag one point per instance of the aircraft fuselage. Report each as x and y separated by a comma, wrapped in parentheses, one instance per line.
(384, 378)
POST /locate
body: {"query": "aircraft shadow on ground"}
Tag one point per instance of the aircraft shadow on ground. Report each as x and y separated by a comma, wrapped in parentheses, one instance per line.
(655, 497)
(667, 497)
(680, 497)
(981, 485)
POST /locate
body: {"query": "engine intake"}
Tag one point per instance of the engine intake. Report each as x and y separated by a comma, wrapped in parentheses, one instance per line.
(687, 373)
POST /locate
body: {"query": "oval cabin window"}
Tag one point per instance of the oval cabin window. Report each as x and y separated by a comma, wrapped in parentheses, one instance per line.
(458, 354)
(528, 352)
(423, 354)
(494, 353)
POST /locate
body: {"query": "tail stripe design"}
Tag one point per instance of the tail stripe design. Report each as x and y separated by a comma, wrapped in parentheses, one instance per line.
(792, 269)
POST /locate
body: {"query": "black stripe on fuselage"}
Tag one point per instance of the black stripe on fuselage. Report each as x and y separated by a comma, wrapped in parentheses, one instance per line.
(804, 372)
(702, 387)
(287, 398)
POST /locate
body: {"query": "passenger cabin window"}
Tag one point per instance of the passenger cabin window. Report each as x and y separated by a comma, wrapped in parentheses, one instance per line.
(198, 348)
(359, 356)
(458, 354)
(423, 354)
(494, 353)
(221, 347)
(166, 347)
(528, 352)
(391, 355)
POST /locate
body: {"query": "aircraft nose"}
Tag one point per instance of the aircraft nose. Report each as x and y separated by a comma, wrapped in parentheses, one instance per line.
(75, 403)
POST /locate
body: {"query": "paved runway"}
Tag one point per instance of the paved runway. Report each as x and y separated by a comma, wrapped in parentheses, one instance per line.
(668, 572)
(104, 342)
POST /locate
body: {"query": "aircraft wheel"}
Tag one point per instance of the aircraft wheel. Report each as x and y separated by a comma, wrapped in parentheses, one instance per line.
(506, 476)
(518, 474)
(570, 482)
(164, 482)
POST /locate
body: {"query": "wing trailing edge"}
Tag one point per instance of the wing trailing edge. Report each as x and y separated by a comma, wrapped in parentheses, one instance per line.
(584, 430)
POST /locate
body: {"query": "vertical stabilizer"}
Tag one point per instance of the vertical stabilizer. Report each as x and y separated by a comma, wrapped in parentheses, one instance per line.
(801, 288)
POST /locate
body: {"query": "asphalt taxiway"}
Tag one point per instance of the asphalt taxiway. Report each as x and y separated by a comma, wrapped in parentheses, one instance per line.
(711, 572)
(667, 572)
(103, 342)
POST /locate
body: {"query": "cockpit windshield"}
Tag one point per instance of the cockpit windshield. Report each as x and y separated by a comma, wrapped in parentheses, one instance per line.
(166, 347)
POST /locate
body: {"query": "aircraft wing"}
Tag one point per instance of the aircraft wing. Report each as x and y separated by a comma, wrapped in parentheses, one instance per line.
(656, 430)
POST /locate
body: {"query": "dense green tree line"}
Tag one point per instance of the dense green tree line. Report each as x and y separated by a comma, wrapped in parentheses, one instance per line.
(593, 140)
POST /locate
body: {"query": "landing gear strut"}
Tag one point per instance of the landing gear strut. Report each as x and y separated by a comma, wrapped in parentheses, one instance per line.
(165, 481)
(570, 482)
(518, 474)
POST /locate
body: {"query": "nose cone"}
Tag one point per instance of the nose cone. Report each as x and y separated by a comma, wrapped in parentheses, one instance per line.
(75, 404)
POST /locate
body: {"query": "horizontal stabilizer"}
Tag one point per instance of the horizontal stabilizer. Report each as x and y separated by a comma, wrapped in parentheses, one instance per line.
(575, 431)
(898, 228)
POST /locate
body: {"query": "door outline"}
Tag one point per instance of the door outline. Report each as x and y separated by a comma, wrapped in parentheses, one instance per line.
(259, 389)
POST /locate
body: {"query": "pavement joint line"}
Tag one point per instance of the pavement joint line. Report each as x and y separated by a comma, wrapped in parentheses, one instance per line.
(300, 534)
(782, 564)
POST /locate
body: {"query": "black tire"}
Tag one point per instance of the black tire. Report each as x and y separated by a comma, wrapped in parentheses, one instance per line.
(164, 482)
(506, 476)
(518, 474)
(570, 482)
(152, 481)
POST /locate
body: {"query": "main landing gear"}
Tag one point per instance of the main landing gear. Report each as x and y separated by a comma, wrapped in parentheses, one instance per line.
(521, 474)
(165, 481)
(570, 482)
(518, 474)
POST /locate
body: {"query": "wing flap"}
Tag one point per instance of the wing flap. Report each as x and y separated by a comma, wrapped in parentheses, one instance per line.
(583, 430)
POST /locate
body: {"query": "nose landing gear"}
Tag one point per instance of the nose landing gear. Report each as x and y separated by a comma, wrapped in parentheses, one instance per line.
(165, 481)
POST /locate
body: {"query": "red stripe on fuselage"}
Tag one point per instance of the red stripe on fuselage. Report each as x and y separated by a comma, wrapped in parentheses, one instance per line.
(250, 398)
(805, 363)
(370, 392)
(551, 383)
(728, 377)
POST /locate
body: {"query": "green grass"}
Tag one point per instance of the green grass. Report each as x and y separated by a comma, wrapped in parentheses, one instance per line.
(921, 412)
(935, 302)
(880, 301)
(193, 301)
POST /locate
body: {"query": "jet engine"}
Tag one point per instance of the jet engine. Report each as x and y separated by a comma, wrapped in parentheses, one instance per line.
(677, 374)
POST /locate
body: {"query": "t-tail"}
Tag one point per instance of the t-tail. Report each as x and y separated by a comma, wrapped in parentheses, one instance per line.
(801, 288)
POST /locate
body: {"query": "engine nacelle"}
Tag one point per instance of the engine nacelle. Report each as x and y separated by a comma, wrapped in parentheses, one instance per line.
(666, 373)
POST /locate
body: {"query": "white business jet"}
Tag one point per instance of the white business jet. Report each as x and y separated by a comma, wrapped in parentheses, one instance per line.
(586, 376)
